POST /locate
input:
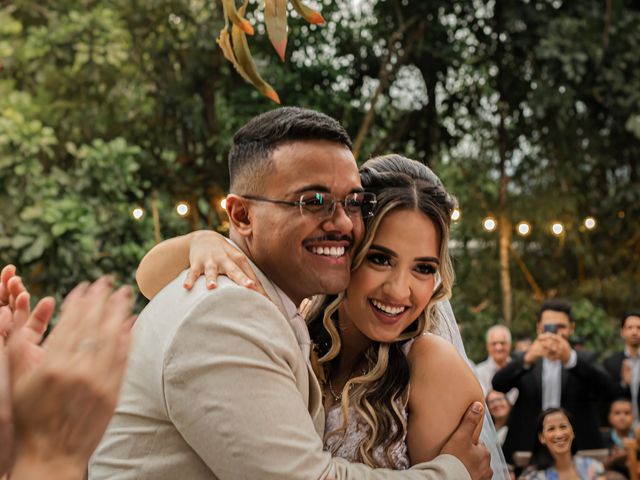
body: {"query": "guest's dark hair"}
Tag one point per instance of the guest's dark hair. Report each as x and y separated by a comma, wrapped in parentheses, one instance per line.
(630, 313)
(557, 305)
(619, 399)
(399, 184)
(250, 155)
(541, 457)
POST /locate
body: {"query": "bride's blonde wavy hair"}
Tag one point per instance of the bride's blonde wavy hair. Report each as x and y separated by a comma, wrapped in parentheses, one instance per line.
(380, 394)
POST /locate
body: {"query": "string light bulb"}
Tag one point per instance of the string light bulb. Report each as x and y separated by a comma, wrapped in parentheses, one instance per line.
(557, 228)
(137, 213)
(182, 208)
(489, 224)
(455, 215)
(223, 203)
(590, 223)
(523, 228)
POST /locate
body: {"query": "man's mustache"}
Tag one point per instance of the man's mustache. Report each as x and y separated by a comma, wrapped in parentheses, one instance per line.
(332, 238)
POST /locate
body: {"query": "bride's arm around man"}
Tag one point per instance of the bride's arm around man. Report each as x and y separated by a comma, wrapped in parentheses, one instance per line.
(219, 383)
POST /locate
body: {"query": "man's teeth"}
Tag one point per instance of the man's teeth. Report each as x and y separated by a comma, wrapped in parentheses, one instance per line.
(387, 308)
(328, 251)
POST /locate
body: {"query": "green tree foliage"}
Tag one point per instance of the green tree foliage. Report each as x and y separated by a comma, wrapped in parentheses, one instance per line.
(105, 106)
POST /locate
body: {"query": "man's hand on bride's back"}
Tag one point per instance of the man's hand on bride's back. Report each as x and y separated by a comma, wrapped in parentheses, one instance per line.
(210, 254)
(474, 456)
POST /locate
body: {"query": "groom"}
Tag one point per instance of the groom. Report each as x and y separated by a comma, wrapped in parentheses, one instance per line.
(219, 383)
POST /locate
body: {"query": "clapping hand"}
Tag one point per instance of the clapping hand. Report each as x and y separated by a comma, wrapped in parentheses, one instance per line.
(57, 398)
(10, 287)
(16, 318)
(63, 403)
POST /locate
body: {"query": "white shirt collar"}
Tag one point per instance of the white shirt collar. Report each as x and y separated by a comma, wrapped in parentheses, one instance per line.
(288, 304)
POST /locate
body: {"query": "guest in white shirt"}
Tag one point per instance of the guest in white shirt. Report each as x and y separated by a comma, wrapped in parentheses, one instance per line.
(498, 340)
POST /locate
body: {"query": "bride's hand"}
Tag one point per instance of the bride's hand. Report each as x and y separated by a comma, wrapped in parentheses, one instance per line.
(210, 254)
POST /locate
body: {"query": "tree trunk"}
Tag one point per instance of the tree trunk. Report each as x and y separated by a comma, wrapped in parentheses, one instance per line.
(385, 75)
(504, 224)
(156, 218)
(433, 125)
(504, 229)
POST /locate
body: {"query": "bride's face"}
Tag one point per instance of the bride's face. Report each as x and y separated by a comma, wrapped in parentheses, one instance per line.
(395, 282)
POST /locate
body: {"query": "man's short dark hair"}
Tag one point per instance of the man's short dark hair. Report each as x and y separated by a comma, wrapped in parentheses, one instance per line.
(557, 305)
(250, 155)
(619, 399)
(630, 313)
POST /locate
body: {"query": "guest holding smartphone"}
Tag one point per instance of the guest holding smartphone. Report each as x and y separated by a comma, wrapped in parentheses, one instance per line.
(553, 374)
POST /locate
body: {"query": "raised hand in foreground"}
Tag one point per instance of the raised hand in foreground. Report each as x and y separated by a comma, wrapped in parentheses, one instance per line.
(10, 286)
(15, 314)
(64, 395)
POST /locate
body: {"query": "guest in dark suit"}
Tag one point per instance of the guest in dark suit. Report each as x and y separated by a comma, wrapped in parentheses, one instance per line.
(553, 374)
(624, 367)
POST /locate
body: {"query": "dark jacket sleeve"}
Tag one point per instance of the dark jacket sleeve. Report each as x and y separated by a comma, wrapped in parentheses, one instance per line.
(508, 377)
(613, 365)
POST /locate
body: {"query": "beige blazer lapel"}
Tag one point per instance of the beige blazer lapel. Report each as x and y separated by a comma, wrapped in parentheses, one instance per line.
(270, 290)
(315, 404)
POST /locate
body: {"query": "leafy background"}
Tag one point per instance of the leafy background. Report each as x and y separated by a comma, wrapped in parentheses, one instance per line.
(528, 110)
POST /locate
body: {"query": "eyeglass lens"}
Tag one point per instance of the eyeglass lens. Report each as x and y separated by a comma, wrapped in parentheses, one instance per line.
(355, 204)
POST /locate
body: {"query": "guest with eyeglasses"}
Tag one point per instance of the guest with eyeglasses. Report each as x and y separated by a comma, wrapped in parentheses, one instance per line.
(318, 205)
(551, 373)
(363, 338)
(223, 379)
(499, 409)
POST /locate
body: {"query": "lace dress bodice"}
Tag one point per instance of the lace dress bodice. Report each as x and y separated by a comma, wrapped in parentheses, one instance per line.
(357, 430)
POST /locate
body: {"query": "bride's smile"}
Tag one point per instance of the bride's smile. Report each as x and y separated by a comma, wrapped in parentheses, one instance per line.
(395, 281)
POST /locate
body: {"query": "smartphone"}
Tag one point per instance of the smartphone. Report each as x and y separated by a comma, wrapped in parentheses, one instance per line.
(550, 327)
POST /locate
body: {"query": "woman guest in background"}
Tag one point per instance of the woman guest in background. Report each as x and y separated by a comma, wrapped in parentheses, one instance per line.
(372, 340)
(499, 409)
(553, 456)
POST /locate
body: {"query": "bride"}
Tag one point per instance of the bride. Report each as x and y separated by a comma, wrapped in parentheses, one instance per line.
(394, 391)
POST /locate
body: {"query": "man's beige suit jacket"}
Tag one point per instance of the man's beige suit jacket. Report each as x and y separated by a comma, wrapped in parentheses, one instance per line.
(217, 388)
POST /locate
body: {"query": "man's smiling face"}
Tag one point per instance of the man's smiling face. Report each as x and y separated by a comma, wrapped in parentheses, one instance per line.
(306, 253)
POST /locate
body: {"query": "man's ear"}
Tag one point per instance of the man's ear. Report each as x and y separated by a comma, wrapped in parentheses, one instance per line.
(238, 212)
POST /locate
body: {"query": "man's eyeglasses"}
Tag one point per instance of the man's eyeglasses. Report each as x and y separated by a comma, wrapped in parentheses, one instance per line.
(323, 205)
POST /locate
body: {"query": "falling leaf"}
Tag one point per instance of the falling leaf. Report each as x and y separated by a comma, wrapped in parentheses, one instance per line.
(224, 42)
(275, 17)
(245, 60)
(236, 17)
(309, 14)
